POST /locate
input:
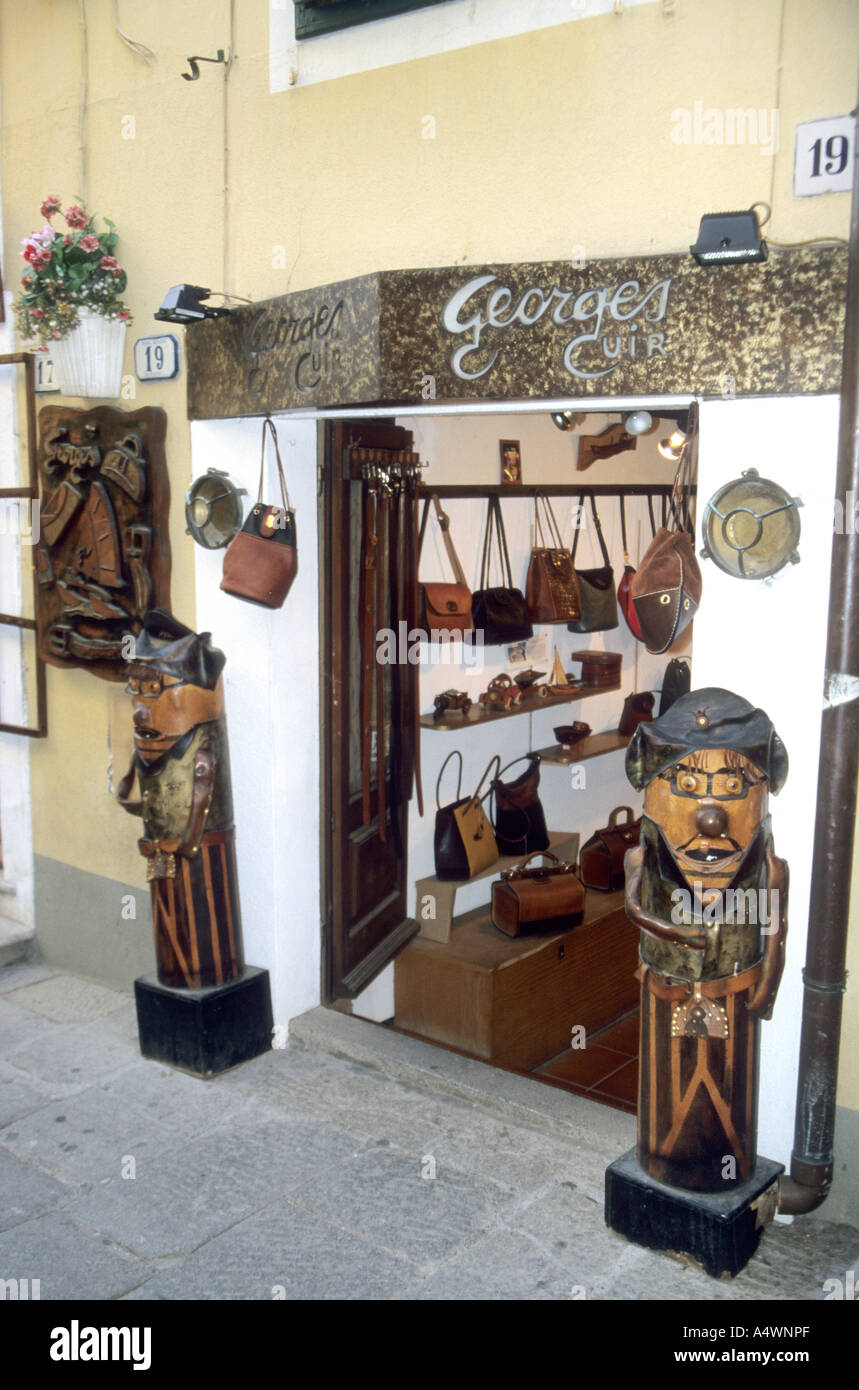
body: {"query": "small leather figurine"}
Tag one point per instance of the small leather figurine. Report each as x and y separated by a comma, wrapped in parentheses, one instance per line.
(181, 761)
(709, 895)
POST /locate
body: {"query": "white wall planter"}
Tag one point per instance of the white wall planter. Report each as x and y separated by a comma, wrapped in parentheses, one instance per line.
(89, 361)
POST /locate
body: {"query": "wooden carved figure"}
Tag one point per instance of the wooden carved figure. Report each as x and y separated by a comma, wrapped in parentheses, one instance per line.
(181, 761)
(710, 898)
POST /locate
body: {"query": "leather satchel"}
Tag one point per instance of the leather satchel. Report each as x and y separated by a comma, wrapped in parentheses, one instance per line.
(537, 900)
(261, 560)
(501, 614)
(666, 591)
(552, 586)
(601, 859)
(637, 709)
(520, 822)
(464, 841)
(444, 607)
(599, 601)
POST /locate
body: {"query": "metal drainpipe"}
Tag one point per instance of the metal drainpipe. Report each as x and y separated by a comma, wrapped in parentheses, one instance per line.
(824, 978)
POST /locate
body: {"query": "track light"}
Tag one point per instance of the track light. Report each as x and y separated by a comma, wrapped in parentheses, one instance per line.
(567, 419)
(639, 422)
(671, 448)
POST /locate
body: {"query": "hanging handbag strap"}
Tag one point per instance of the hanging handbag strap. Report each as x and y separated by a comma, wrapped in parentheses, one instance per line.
(555, 539)
(455, 754)
(283, 492)
(494, 518)
(679, 501)
(444, 524)
(533, 758)
(600, 537)
(623, 530)
(652, 517)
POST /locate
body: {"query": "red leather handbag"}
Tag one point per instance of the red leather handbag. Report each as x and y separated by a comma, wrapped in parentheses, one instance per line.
(624, 595)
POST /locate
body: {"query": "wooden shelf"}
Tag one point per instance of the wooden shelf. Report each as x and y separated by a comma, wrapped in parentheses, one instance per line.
(529, 705)
(594, 746)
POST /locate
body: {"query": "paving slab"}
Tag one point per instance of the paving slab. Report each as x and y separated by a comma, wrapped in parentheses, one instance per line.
(183, 1198)
(27, 1192)
(401, 1204)
(283, 1252)
(69, 1261)
(66, 999)
(70, 1056)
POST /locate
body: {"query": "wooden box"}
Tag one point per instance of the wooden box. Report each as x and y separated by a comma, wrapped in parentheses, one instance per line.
(514, 1001)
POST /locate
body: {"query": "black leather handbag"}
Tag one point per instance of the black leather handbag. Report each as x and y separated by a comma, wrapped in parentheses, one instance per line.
(599, 600)
(520, 822)
(501, 614)
(677, 681)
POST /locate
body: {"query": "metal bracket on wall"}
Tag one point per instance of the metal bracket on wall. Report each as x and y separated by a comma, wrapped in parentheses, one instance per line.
(27, 360)
(194, 74)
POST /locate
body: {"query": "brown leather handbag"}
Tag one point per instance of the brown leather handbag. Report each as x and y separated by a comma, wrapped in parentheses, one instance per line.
(666, 591)
(601, 859)
(525, 900)
(261, 560)
(520, 822)
(444, 607)
(552, 587)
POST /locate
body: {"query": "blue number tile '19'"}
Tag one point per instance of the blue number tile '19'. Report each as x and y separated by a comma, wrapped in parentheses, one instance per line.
(156, 359)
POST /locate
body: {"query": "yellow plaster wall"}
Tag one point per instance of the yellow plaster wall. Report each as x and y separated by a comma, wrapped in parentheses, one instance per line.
(544, 142)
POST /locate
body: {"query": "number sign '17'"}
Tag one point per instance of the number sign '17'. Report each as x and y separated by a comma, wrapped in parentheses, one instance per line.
(156, 359)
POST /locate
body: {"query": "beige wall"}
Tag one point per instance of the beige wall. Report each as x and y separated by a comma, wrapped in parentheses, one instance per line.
(557, 139)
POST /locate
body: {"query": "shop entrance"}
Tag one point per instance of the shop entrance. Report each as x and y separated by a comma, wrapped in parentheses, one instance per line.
(560, 1006)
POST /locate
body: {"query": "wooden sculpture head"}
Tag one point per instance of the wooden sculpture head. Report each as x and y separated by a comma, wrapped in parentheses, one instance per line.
(175, 684)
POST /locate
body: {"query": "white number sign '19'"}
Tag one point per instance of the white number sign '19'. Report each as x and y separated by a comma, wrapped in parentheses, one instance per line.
(156, 359)
(823, 162)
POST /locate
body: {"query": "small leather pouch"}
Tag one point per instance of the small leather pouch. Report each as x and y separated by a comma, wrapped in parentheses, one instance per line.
(677, 681)
(261, 560)
(601, 859)
(637, 709)
(549, 898)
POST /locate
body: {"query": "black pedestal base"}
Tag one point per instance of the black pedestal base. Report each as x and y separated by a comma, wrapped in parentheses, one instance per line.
(205, 1031)
(719, 1230)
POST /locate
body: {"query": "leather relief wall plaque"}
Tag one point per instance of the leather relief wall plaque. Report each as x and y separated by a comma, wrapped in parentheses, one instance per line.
(103, 558)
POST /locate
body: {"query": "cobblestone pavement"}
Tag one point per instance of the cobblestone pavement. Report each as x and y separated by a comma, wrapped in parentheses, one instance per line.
(309, 1175)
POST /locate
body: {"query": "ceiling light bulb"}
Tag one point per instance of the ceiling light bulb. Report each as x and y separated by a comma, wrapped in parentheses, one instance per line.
(639, 422)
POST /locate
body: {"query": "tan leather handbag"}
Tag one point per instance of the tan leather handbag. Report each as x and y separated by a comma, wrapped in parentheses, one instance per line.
(549, 898)
(444, 607)
(464, 839)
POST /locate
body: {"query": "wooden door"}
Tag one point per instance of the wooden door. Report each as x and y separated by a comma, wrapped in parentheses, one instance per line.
(368, 762)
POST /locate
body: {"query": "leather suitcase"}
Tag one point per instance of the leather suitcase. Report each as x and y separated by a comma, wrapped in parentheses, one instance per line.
(525, 901)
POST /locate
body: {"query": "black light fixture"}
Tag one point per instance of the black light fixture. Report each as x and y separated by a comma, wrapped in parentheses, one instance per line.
(729, 238)
(181, 304)
(213, 509)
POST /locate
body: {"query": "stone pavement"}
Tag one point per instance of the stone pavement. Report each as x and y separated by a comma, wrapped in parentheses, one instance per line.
(351, 1164)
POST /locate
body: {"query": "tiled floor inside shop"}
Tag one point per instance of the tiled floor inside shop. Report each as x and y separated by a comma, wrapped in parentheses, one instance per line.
(606, 1070)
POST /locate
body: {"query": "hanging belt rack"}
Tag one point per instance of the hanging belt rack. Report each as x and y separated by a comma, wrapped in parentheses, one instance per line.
(574, 489)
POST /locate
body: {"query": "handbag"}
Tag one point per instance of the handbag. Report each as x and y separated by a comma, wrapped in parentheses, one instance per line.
(464, 841)
(552, 587)
(599, 601)
(601, 859)
(637, 709)
(261, 560)
(520, 822)
(666, 591)
(443, 607)
(624, 597)
(677, 681)
(533, 900)
(501, 614)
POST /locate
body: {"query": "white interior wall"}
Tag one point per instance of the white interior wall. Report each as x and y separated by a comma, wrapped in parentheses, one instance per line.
(272, 694)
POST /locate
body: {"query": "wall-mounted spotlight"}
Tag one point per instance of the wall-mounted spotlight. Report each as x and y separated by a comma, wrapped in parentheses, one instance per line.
(567, 419)
(182, 304)
(213, 509)
(729, 238)
(671, 447)
(639, 422)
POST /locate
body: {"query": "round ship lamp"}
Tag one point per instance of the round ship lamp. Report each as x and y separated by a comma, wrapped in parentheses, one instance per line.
(213, 509)
(751, 527)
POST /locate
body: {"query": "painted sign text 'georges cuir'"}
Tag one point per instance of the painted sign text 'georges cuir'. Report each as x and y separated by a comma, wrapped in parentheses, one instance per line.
(614, 321)
(306, 345)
